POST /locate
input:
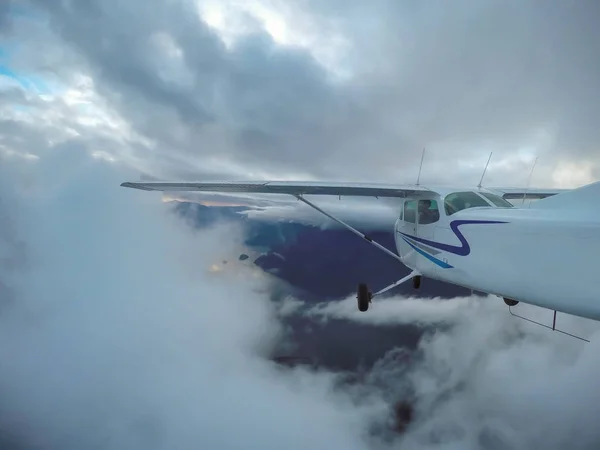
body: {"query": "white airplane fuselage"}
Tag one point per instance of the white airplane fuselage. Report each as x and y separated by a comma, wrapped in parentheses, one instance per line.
(545, 257)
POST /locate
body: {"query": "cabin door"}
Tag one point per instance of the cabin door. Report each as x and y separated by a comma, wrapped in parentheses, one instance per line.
(406, 230)
(428, 217)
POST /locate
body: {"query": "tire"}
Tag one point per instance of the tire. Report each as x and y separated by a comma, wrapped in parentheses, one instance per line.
(363, 297)
(417, 282)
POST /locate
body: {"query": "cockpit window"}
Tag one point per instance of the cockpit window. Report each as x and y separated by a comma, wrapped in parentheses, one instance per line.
(458, 201)
(428, 212)
(497, 200)
(410, 211)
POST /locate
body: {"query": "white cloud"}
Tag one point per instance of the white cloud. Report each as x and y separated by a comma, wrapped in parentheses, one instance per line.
(118, 337)
(482, 379)
(287, 23)
(395, 310)
(573, 174)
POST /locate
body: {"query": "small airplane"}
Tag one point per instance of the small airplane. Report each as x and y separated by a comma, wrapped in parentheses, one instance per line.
(541, 254)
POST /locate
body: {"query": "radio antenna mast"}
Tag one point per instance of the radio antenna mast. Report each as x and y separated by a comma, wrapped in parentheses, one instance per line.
(529, 180)
(484, 170)
(421, 166)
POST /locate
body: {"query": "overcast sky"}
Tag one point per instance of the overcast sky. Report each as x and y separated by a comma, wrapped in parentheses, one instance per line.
(113, 331)
(308, 89)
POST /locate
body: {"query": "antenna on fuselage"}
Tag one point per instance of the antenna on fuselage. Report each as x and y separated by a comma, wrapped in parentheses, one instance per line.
(484, 170)
(529, 180)
(421, 166)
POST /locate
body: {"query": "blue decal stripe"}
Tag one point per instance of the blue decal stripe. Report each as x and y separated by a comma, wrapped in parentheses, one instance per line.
(434, 260)
(463, 249)
(425, 248)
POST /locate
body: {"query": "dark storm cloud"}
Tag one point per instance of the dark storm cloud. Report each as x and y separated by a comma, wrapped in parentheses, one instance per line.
(275, 104)
(462, 79)
(255, 103)
(497, 65)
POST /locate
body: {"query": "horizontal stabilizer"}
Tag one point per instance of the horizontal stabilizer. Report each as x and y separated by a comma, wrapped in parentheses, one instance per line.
(585, 197)
(528, 194)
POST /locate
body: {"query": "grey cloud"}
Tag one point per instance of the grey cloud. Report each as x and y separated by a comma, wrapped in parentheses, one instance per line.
(269, 106)
(14, 252)
(462, 80)
(489, 72)
(4, 16)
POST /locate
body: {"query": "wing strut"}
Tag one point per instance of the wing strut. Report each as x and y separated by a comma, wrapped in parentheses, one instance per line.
(410, 276)
(364, 296)
(354, 230)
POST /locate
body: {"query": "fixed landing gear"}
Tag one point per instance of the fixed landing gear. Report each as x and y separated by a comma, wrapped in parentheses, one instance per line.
(417, 282)
(364, 296)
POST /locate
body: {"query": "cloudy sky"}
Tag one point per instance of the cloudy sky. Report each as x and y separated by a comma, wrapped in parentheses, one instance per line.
(113, 331)
(308, 89)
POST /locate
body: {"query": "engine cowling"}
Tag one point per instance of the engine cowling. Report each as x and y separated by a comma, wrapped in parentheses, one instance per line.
(510, 301)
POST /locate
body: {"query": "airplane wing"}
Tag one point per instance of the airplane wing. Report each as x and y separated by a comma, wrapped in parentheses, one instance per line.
(531, 193)
(285, 187)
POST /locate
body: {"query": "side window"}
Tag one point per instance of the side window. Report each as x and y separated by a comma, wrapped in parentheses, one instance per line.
(462, 200)
(410, 211)
(428, 212)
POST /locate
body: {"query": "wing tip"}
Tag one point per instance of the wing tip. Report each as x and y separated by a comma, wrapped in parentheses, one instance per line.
(129, 184)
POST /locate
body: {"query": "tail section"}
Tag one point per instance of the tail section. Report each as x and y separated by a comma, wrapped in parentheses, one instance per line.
(584, 198)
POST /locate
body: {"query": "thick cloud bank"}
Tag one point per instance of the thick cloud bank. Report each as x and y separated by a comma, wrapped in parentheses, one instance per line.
(116, 335)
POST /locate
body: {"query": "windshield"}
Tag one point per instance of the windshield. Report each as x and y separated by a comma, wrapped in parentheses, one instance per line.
(497, 200)
(458, 201)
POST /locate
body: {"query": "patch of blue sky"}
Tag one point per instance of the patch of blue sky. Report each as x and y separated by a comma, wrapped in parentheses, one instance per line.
(10, 47)
(29, 82)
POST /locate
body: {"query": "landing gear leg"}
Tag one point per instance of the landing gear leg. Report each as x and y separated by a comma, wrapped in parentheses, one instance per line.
(364, 296)
(417, 282)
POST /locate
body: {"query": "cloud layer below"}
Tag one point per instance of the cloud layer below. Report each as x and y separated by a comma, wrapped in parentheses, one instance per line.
(118, 336)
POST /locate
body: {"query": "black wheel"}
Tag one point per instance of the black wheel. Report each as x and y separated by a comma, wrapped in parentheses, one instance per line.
(417, 282)
(363, 297)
